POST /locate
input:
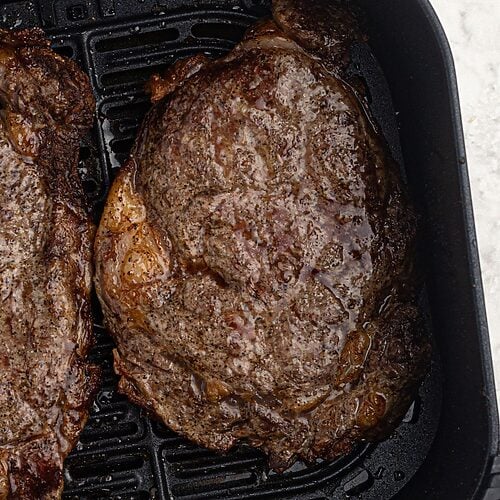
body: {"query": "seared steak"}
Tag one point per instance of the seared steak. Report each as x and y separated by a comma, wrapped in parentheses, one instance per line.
(45, 265)
(255, 257)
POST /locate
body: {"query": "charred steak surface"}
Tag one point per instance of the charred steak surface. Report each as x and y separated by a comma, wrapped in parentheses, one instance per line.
(45, 265)
(255, 256)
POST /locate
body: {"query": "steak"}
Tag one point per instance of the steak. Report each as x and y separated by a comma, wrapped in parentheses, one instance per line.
(46, 239)
(255, 258)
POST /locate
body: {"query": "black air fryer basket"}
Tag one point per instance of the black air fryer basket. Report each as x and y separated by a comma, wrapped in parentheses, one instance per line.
(446, 446)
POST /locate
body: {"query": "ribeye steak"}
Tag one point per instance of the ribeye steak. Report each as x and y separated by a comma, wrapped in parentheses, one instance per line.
(255, 259)
(46, 383)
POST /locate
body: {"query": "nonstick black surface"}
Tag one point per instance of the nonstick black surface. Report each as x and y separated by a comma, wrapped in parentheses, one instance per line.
(122, 454)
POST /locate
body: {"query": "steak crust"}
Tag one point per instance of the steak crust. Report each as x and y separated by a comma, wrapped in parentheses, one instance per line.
(46, 106)
(255, 258)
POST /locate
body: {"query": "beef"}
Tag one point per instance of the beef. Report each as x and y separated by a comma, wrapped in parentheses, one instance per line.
(46, 239)
(255, 258)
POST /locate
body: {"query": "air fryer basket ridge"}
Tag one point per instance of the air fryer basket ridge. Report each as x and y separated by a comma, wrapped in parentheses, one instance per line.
(121, 453)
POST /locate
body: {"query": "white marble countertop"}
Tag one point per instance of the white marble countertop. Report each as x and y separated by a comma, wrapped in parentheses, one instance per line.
(472, 27)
